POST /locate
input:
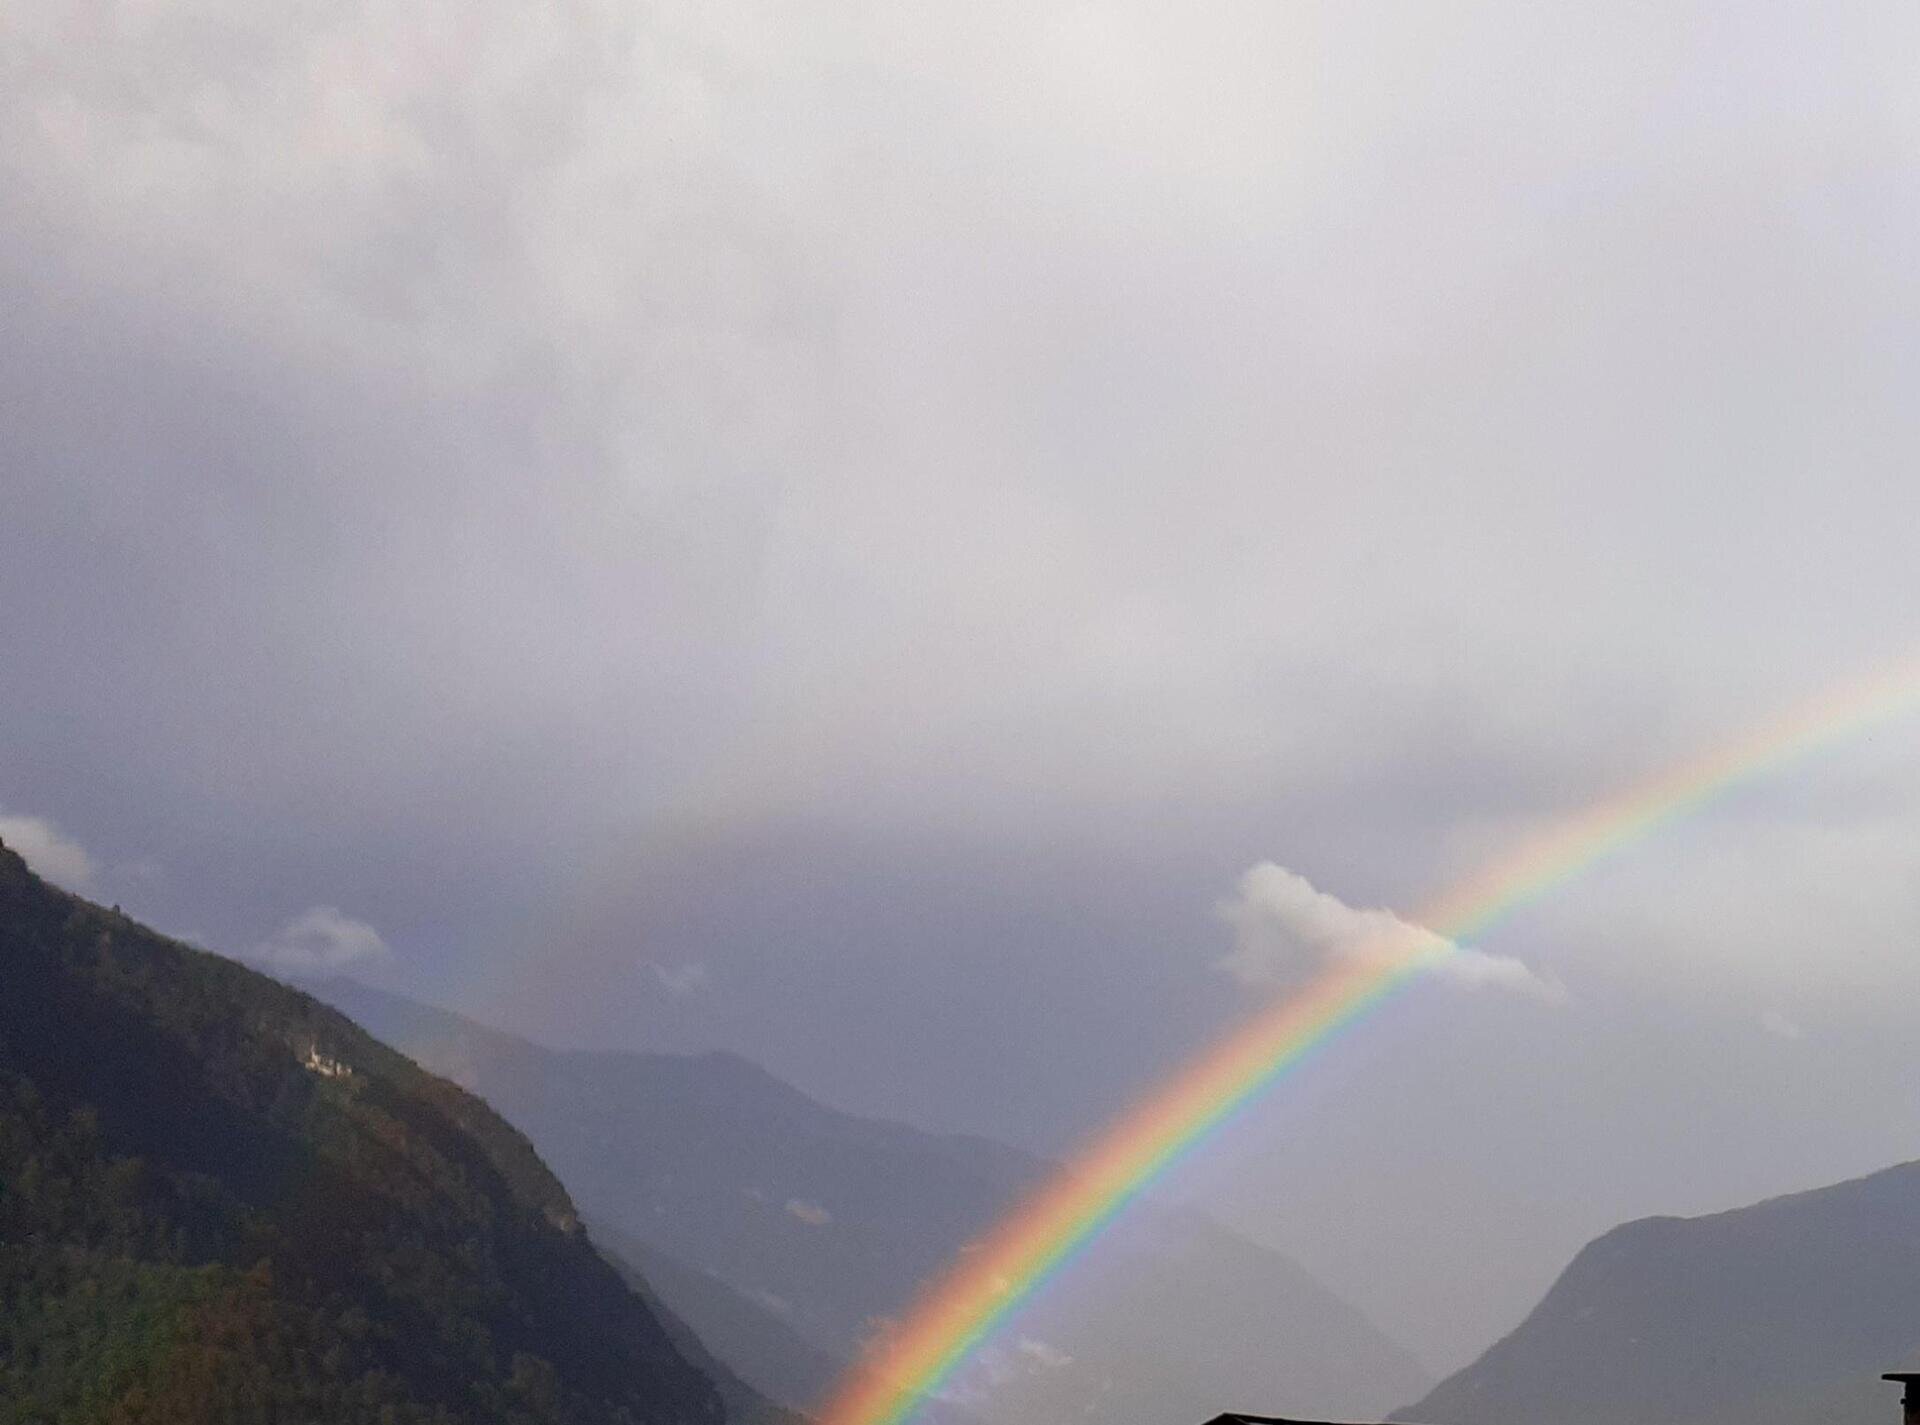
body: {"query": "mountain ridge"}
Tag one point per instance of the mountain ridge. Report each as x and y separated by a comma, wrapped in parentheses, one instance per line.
(1784, 1309)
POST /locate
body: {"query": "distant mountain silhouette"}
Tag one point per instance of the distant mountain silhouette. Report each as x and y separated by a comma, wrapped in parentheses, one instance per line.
(795, 1229)
(222, 1200)
(1785, 1311)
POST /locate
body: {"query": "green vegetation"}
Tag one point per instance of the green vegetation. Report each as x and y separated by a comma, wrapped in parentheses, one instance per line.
(222, 1201)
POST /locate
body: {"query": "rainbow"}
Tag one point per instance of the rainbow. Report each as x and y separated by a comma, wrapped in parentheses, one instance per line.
(993, 1276)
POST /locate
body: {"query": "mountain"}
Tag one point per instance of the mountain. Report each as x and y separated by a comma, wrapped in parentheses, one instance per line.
(784, 1364)
(797, 1229)
(222, 1200)
(744, 1405)
(1787, 1310)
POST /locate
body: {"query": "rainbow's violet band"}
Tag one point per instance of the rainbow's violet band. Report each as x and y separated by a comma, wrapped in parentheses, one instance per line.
(996, 1274)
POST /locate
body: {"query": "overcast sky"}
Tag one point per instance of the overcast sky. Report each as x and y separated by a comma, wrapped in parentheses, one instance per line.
(844, 531)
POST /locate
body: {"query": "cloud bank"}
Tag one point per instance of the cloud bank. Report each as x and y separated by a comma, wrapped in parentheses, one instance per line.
(1285, 929)
(322, 938)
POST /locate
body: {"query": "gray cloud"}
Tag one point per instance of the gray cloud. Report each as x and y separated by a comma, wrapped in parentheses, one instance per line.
(1010, 393)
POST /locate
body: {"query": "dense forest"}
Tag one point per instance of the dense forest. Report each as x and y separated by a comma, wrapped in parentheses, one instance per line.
(222, 1201)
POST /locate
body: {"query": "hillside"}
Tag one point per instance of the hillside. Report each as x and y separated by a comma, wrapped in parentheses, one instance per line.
(742, 1403)
(1787, 1310)
(784, 1365)
(222, 1200)
(794, 1226)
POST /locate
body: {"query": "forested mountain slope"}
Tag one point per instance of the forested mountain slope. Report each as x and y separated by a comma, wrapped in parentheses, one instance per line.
(222, 1200)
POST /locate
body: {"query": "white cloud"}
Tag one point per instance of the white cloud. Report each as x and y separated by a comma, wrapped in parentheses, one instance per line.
(681, 979)
(811, 1213)
(773, 1301)
(1285, 928)
(47, 852)
(323, 938)
(1052, 1357)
